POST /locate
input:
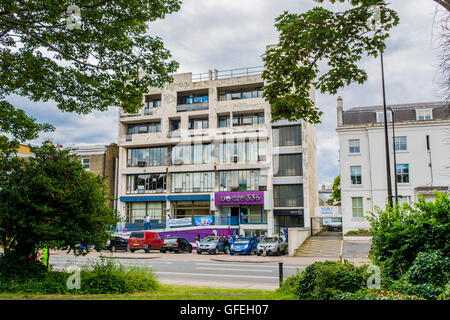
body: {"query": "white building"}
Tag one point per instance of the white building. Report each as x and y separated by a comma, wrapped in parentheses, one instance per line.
(422, 156)
(204, 146)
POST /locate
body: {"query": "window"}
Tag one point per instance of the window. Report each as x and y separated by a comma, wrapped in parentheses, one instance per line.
(224, 121)
(402, 173)
(146, 183)
(175, 124)
(357, 207)
(185, 209)
(243, 93)
(198, 123)
(380, 116)
(193, 182)
(193, 154)
(424, 114)
(143, 157)
(355, 173)
(248, 119)
(241, 180)
(287, 136)
(136, 211)
(288, 165)
(288, 195)
(400, 143)
(149, 127)
(86, 163)
(151, 103)
(192, 98)
(353, 145)
(242, 151)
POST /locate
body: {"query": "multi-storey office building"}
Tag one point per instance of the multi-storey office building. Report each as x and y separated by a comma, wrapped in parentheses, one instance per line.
(204, 149)
(420, 166)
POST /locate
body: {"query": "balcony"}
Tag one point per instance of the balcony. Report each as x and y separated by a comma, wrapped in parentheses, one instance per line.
(192, 107)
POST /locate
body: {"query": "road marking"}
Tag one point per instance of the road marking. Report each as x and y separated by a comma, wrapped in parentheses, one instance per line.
(249, 265)
(216, 275)
(203, 268)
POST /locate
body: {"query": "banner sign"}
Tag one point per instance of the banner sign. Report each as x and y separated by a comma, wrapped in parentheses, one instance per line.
(238, 198)
(326, 210)
(179, 222)
(203, 221)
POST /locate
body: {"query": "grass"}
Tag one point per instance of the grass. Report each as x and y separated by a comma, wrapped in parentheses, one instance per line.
(359, 232)
(170, 292)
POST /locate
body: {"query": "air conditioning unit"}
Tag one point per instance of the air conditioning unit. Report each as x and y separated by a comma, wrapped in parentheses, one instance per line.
(178, 162)
(235, 159)
(142, 163)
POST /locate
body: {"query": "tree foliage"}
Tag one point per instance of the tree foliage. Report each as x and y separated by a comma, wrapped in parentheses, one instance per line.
(336, 193)
(50, 201)
(400, 233)
(110, 60)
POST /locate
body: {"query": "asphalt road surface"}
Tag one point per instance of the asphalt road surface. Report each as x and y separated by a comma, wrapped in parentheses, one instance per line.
(198, 273)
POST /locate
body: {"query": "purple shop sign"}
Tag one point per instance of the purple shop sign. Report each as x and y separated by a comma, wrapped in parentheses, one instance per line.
(237, 198)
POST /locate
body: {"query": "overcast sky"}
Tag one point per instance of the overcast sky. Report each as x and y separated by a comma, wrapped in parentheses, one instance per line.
(227, 34)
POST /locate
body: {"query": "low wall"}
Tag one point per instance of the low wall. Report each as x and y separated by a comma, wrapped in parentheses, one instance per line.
(296, 238)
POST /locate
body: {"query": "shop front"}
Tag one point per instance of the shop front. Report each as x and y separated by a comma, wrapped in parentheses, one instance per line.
(286, 218)
(241, 208)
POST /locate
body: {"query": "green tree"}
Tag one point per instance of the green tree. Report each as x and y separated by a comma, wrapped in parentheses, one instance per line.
(340, 39)
(336, 194)
(110, 60)
(50, 201)
(400, 233)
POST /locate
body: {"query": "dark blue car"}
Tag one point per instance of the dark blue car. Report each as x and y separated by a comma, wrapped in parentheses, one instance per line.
(245, 245)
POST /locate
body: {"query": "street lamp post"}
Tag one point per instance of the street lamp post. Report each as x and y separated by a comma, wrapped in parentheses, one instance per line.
(386, 138)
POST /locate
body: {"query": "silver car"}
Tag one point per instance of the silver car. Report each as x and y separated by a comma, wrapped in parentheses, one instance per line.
(272, 245)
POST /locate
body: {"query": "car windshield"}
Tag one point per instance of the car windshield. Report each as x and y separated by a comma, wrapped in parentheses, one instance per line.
(268, 240)
(171, 240)
(242, 241)
(209, 239)
(138, 235)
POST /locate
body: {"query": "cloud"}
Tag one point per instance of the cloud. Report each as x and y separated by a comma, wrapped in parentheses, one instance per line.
(217, 34)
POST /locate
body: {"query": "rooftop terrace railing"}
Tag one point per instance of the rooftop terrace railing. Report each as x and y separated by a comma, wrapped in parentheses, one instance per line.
(225, 74)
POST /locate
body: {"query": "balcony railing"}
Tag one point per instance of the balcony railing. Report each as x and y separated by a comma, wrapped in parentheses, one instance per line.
(224, 74)
(192, 107)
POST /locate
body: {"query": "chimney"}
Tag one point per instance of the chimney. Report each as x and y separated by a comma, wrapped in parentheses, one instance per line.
(340, 104)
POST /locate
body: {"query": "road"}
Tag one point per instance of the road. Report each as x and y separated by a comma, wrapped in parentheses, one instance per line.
(243, 275)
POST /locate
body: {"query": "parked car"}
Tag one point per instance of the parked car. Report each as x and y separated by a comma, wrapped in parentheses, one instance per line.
(272, 245)
(177, 245)
(117, 243)
(212, 245)
(145, 240)
(245, 245)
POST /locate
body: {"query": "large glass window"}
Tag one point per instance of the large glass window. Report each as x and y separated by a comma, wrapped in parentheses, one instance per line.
(185, 209)
(242, 151)
(193, 182)
(287, 136)
(248, 119)
(424, 114)
(240, 180)
(355, 173)
(288, 195)
(224, 121)
(380, 116)
(288, 165)
(402, 173)
(151, 103)
(136, 211)
(242, 93)
(198, 123)
(149, 127)
(192, 98)
(146, 183)
(400, 143)
(193, 154)
(357, 207)
(353, 146)
(144, 157)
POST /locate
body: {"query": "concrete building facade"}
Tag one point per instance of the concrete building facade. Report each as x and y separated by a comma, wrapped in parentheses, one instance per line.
(421, 163)
(203, 151)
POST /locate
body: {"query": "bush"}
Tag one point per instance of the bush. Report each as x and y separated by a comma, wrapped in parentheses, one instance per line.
(425, 291)
(326, 280)
(431, 267)
(402, 232)
(445, 295)
(376, 294)
(290, 284)
(105, 278)
(360, 231)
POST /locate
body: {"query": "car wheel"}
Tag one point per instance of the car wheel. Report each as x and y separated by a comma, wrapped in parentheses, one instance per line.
(148, 249)
(258, 253)
(199, 252)
(163, 251)
(190, 250)
(132, 250)
(231, 253)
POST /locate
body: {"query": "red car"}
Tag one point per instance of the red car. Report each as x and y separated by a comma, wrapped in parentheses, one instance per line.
(145, 240)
